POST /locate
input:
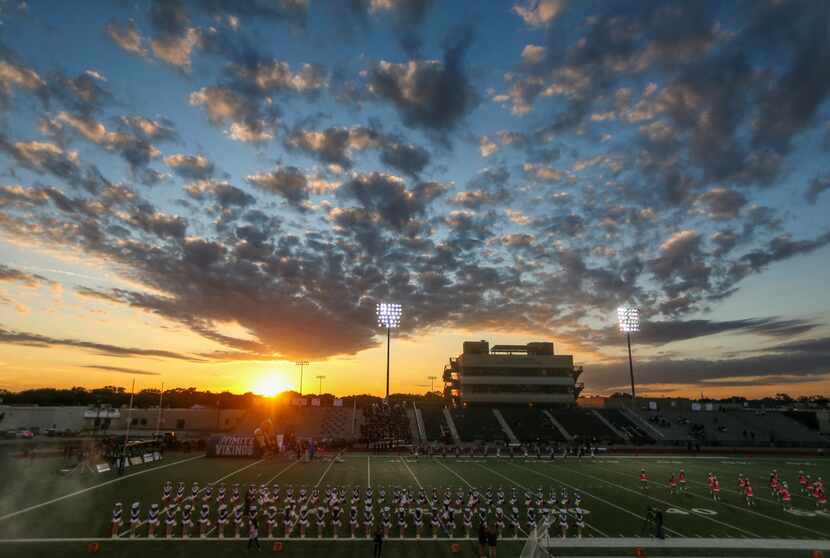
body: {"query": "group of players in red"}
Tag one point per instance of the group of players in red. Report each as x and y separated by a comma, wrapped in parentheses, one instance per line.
(779, 488)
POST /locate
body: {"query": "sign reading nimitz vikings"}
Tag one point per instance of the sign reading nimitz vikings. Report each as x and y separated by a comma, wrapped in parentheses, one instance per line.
(233, 446)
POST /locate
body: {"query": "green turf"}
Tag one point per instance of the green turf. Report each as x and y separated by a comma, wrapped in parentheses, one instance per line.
(609, 487)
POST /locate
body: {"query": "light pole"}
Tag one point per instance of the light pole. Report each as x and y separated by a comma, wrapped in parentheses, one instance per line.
(389, 316)
(432, 383)
(321, 378)
(301, 364)
(629, 318)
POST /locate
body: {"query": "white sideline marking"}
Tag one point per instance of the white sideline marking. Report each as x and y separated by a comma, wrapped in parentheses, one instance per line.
(665, 503)
(93, 487)
(590, 526)
(603, 500)
(555, 542)
(747, 510)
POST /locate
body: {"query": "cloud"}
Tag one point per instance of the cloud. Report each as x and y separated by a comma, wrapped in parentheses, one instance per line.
(428, 94)
(247, 121)
(388, 196)
(537, 13)
(127, 37)
(120, 369)
(333, 145)
(339, 146)
(772, 369)
(45, 158)
(10, 274)
(722, 203)
(16, 76)
(35, 340)
(817, 186)
(661, 332)
(222, 192)
(406, 157)
(533, 54)
(288, 182)
(406, 17)
(194, 167)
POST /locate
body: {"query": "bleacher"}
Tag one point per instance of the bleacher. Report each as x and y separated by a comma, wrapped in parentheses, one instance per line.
(337, 423)
(434, 423)
(734, 427)
(635, 433)
(527, 423)
(478, 424)
(585, 426)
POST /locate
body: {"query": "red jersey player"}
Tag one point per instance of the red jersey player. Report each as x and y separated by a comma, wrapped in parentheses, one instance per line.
(749, 494)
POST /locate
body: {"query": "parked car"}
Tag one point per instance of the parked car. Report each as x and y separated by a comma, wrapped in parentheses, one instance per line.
(26, 434)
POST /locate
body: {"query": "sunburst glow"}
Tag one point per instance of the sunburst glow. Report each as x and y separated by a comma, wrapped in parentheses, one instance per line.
(270, 385)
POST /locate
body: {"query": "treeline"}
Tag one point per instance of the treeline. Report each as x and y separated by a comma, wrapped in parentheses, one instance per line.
(179, 398)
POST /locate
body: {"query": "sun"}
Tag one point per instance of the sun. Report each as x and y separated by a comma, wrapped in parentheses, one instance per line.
(270, 385)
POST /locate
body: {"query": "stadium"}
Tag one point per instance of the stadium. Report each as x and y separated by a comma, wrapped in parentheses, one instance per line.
(551, 475)
(416, 278)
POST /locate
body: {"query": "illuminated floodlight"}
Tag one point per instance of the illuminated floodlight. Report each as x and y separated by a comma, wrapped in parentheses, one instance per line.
(629, 318)
(389, 315)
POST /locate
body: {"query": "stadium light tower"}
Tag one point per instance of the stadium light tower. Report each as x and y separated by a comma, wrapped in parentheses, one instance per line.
(389, 316)
(301, 364)
(320, 378)
(629, 318)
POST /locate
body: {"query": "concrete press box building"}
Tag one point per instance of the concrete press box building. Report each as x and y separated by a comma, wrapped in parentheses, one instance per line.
(520, 374)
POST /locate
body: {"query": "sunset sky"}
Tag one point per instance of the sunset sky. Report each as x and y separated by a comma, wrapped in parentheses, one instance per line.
(203, 192)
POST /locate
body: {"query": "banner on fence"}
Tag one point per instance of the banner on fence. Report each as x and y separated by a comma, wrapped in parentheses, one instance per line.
(233, 446)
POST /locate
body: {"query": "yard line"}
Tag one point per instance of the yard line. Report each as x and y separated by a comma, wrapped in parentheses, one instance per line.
(603, 500)
(523, 488)
(405, 464)
(325, 473)
(664, 502)
(234, 473)
(89, 488)
(275, 477)
(369, 470)
(454, 473)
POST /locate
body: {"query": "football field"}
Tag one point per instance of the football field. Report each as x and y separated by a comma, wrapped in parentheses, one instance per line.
(46, 513)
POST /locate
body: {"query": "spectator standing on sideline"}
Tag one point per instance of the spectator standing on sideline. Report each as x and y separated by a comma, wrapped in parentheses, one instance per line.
(658, 522)
(378, 552)
(492, 540)
(253, 534)
(482, 540)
